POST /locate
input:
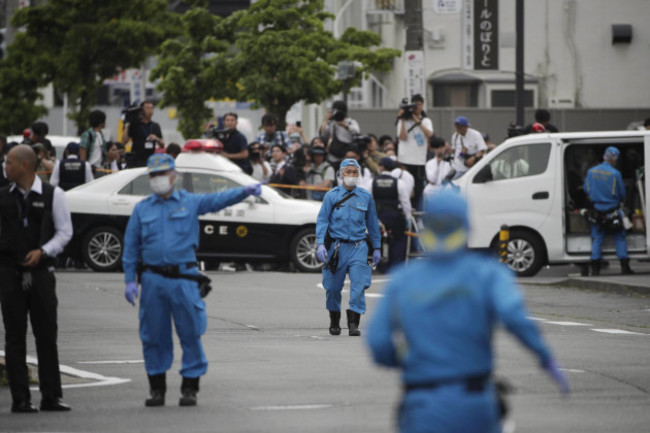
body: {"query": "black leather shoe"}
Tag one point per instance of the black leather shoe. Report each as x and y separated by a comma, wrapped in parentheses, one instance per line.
(157, 398)
(23, 407)
(188, 398)
(54, 405)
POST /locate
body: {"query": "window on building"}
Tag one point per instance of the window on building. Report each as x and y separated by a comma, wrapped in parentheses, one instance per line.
(455, 94)
(507, 98)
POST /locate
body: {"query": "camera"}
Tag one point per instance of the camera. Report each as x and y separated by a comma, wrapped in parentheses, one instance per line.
(361, 142)
(216, 132)
(132, 114)
(338, 115)
(408, 108)
(515, 130)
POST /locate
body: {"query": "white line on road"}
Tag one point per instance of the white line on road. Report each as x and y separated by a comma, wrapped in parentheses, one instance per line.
(127, 361)
(618, 331)
(294, 407)
(567, 323)
(100, 380)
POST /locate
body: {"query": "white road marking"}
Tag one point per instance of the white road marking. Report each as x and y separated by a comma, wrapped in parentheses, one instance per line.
(128, 361)
(347, 281)
(294, 407)
(618, 331)
(572, 370)
(567, 323)
(98, 378)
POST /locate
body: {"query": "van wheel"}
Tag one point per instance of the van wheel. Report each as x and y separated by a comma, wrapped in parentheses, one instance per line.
(102, 249)
(303, 251)
(525, 253)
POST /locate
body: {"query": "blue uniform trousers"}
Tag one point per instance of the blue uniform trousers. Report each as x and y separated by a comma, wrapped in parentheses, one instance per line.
(163, 299)
(598, 237)
(449, 408)
(353, 260)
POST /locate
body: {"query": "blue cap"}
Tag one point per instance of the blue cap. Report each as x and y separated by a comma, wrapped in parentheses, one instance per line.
(445, 211)
(461, 121)
(72, 148)
(387, 162)
(160, 162)
(612, 152)
(350, 161)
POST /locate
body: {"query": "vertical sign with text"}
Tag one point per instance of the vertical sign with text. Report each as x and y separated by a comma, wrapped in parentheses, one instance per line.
(486, 34)
(467, 20)
(415, 73)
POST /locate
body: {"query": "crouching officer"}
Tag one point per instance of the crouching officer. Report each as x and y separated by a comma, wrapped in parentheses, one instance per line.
(346, 213)
(446, 366)
(162, 236)
(393, 208)
(606, 191)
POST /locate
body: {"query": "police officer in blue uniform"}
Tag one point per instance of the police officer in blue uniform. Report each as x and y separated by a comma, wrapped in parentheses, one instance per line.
(606, 191)
(161, 237)
(346, 213)
(436, 323)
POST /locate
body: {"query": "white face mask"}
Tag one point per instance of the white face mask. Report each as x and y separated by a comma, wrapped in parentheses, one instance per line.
(160, 185)
(350, 181)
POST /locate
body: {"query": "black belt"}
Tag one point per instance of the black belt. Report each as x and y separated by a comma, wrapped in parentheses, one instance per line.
(173, 271)
(348, 241)
(167, 270)
(472, 383)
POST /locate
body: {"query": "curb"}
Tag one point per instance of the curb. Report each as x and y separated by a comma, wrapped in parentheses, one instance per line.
(602, 284)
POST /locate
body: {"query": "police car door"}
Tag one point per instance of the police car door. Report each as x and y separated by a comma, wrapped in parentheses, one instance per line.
(240, 230)
(516, 187)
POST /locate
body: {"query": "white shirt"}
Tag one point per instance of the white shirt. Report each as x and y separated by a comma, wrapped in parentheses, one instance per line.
(404, 175)
(472, 141)
(60, 216)
(413, 151)
(55, 178)
(436, 172)
(96, 158)
(258, 171)
(403, 195)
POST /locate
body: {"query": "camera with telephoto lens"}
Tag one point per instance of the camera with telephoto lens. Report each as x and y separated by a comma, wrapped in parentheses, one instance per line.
(361, 142)
(216, 132)
(408, 108)
(338, 115)
(132, 114)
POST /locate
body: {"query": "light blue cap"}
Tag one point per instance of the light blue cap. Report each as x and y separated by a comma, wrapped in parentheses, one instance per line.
(160, 162)
(445, 211)
(612, 152)
(350, 161)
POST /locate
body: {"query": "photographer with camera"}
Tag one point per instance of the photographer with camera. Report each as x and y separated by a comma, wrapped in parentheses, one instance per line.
(438, 167)
(338, 131)
(414, 130)
(144, 134)
(468, 145)
(235, 146)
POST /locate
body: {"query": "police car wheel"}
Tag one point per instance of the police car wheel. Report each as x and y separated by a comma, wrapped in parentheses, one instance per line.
(102, 249)
(303, 251)
(525, 253)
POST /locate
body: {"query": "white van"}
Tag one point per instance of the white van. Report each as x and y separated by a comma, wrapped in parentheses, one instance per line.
(533, 184)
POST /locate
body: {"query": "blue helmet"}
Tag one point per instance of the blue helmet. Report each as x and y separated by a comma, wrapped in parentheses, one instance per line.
(446, 222)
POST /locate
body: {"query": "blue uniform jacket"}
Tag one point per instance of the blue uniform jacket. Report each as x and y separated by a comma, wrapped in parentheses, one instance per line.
(604, 186)
(437, 317)
(166, 232)
(351, 219)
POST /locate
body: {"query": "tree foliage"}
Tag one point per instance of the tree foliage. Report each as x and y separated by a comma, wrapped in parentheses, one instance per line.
(77, 44)
(191, 69)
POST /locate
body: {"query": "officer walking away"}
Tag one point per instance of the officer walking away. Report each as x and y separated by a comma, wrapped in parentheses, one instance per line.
(36, 226)
(161, 239)
(93, 143)
(346, 213)
(606, 192)
(145, 134)
(71, 171)
(393, 209)
(447, 367)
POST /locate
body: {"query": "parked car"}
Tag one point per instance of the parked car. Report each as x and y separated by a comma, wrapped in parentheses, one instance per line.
(534, 184)
(270, 228)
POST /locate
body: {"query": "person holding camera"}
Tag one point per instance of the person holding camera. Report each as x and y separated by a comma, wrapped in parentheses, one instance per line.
(338, 131)
(468, 145)
(438, 167)
(261, 167)
(145, 135)
(414, 130)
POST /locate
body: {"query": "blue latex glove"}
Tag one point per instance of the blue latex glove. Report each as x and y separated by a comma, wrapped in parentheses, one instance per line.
(253, 189)
(321, 253)
(131, 292)
(553, 369)
(376, 257)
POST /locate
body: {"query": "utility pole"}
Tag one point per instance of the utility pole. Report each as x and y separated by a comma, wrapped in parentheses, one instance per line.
(519, 62)
(413, 51)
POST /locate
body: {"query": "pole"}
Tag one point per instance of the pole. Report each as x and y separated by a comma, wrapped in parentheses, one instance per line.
(519, 62)
(413, 21)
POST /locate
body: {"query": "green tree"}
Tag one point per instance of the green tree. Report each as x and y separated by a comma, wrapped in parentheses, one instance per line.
(285, 55)
(77, 44)
(191, 69)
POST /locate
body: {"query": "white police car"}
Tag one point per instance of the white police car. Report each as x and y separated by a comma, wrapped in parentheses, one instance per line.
(270, 228)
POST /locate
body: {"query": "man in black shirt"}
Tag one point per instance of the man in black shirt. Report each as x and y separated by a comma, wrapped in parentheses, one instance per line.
(235, 145)
(145, 136)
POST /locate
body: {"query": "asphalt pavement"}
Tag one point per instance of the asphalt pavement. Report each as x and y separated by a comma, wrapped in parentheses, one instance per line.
(275, 368)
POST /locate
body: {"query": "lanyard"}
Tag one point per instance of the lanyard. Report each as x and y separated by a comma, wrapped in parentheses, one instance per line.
(145, 131)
